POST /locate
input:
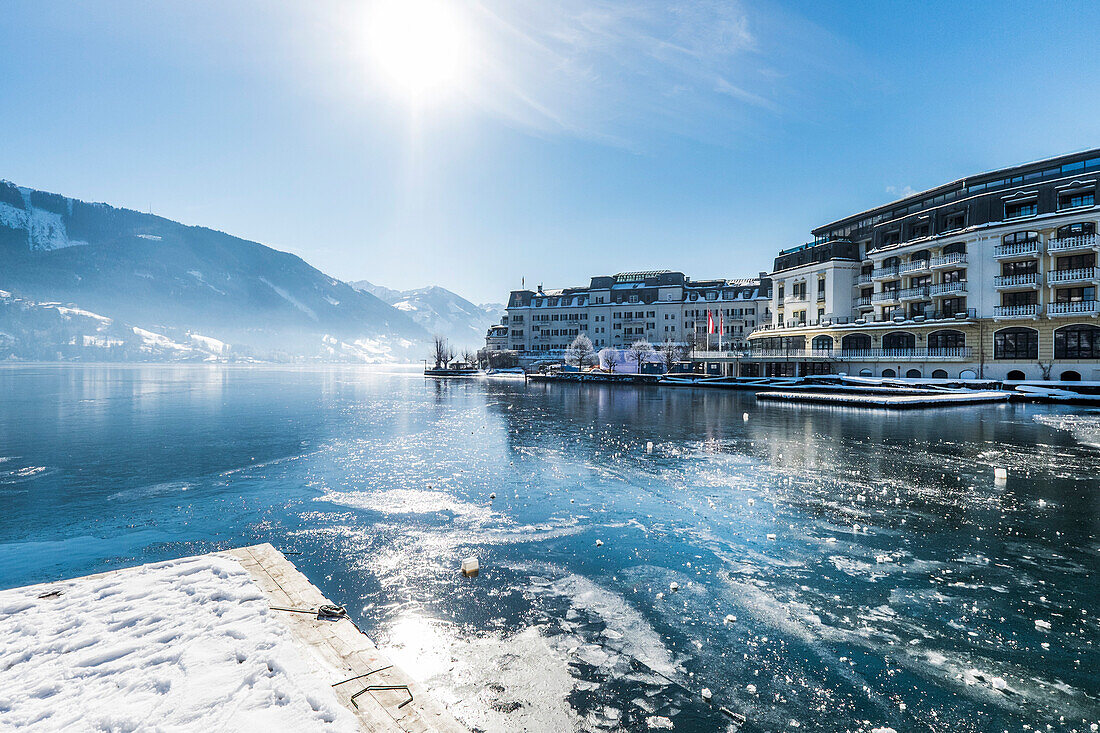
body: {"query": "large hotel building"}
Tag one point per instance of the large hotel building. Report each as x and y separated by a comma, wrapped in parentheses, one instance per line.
(992, 276)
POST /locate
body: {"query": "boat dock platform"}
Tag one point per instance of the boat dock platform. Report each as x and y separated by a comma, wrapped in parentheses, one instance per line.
(889, 401)
(231, 640)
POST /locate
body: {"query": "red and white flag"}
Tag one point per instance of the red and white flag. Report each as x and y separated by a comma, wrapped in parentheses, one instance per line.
(710, 322)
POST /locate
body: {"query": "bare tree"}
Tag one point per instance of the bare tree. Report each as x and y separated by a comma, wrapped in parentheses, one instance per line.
(441, 351)
(638, 352)
(580, 353)
(1046, 367)
(671, 353)
(611, 356)
(468, 357)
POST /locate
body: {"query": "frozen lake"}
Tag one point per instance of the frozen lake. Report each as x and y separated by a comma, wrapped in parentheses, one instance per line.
(838, 569)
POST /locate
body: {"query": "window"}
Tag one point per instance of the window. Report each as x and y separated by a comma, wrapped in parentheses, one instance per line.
(950, 306)
(1015, 375)
(822, 343)
(953, 221)
(955, 248)
(891, 237)
(1024, 267)
(1077, 342)
(1070, 376)
(913, 374)
(1075, 295)
(1076, 262)
(899, 340)
(954, 276)
(1079, 229)
(891, 262)
(920, 230)
(1016, 343)
(940, 340)
(1074, 199)
(632, 299)
(1027, 297)
(889, 373)
(939, 374)
(1017, 209)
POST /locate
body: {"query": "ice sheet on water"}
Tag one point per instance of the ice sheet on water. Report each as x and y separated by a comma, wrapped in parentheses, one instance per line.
(1084, 428)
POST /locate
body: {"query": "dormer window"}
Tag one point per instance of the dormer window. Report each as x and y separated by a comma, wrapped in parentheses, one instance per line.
(892, 237)
(920, 230)
(952, 222)
(1076, 199)
(1017, 209)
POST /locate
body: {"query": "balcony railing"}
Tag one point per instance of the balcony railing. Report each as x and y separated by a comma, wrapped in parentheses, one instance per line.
(794, 299)
(950, 354)
(958, 286)
(1078, 306)
(1016, 311)
(1066, 276)
(914, 293)
(863, 300)
(914, 266)
(864, 278)
(1019, 249)
(1083, 241)
(886, 296)
(1016, 281)
(949, 260)
(883, 272)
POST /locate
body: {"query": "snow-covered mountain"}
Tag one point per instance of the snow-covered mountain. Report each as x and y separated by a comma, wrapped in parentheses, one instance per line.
(441, 311)
(181, 283)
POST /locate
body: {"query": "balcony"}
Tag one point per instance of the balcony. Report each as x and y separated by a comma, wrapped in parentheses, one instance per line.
(886, 296)
(1030, 279)
(959, 286)
(1061, 277)
(1016, 311)
(1020, 249)
(914, 266)
(1073, 308)
(1069, 244)
(864, 300)
(914, 293)
(883, 273)
(864, 278)
(950, 260)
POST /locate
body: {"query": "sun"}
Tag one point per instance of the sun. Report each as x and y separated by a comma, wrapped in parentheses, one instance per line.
(420, 49)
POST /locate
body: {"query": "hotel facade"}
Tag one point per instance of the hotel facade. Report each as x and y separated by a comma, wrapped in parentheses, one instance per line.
(992, 276)
(617, 310)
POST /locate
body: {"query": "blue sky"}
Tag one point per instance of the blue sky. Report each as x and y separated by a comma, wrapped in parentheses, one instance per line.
(579, 138)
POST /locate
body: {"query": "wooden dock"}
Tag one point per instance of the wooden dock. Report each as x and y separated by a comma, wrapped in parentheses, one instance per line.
(894, 402)
(383, 696)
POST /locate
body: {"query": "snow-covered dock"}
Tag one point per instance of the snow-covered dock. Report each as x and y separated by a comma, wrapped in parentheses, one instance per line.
(891, 401)
(198, 643)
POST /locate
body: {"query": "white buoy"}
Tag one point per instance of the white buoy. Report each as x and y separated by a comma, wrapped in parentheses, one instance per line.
(745, 417)
(771, 536)
(470, 566)
(599, 543)
(649, 447)
(751, 689)
(706, 693)
(492, 496)
(1000, 474)
(730, 618)
(751, 501)
(674, 587)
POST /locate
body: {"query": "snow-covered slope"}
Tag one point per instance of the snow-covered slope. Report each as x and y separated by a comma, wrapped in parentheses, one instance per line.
(441, 311)
(161, 276)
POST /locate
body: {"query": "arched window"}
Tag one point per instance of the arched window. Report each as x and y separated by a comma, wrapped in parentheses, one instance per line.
(1076, 230)
(939, 374)
(1071, 376)
(968, 374)
(889, 373)
(865, 372)
(1077, 342)
(942, 340)
(899, 340)
(1016, 343)
(1020, 238)
(1015, 375)
(822, 343)
(913, 374)
(891, 262)
(955, 248)
(855, 342)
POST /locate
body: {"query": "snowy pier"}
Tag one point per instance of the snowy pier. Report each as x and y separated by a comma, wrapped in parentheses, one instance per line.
(225, 641)
(895, 401)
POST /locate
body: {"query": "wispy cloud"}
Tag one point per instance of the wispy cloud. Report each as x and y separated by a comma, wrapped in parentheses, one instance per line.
(621, 70)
